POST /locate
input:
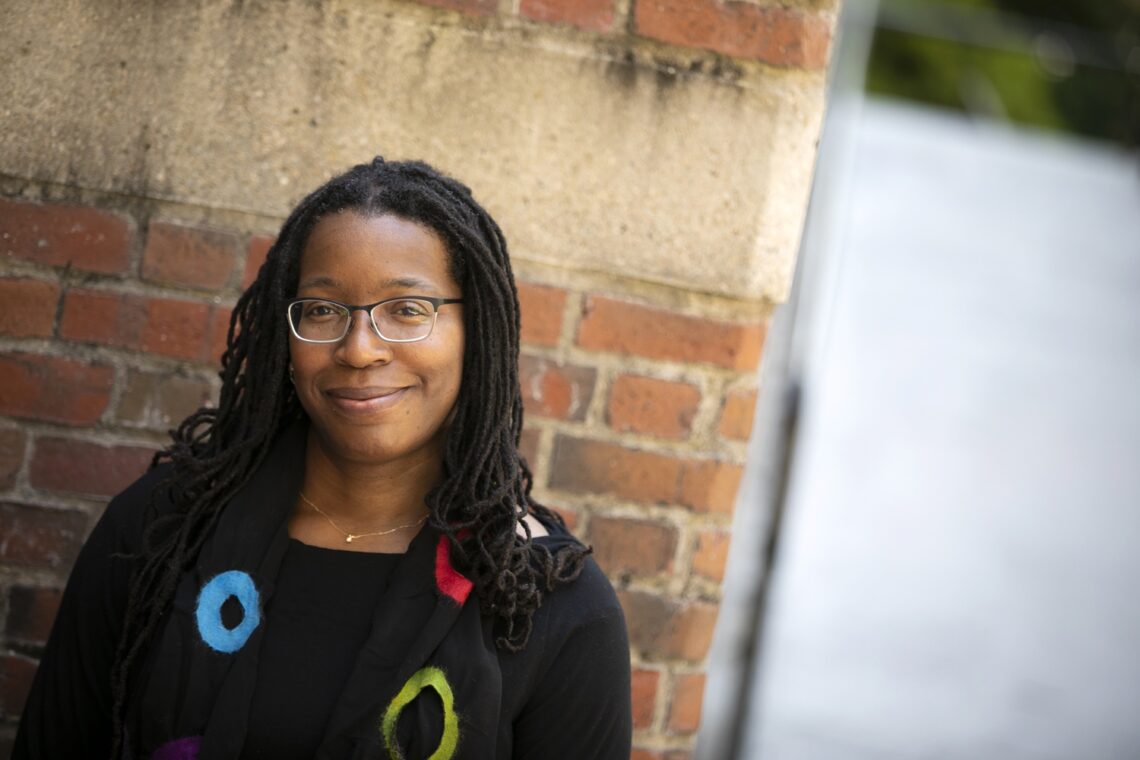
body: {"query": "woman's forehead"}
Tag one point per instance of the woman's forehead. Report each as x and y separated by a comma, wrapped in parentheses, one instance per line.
(350, 250)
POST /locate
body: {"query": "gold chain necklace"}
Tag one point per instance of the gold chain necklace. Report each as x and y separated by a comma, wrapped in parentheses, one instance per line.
(349, 537)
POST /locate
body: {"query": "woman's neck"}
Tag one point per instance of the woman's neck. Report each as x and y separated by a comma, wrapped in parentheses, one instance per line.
(343, 497)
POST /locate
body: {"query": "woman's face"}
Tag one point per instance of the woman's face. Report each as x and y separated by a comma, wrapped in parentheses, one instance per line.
(371, 401)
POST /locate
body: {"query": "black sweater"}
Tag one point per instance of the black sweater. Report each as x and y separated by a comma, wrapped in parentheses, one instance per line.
(566, 695)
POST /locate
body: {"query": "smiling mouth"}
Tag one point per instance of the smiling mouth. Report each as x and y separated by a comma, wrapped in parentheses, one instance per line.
(364, 399)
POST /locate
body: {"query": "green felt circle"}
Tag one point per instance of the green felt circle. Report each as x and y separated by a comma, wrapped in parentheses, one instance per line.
(423, 678)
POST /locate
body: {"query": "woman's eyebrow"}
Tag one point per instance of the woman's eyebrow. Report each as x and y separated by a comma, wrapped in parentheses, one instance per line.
(407, 283)
(411, 283)
(319, 282)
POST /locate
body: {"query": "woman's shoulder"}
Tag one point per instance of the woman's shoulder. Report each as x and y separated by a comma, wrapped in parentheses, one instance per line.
(569, 687)
(587, 601)
(573, 620)
(128, 513)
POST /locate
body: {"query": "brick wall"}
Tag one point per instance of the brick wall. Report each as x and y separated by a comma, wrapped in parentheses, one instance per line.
(639, 396)
(637, 421)
(112, 321)
(637, 417)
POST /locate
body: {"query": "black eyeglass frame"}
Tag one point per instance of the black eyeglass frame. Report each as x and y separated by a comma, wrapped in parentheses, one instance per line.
(367, 309)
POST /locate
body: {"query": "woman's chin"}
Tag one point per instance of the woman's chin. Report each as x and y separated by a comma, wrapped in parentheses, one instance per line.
(362, 450)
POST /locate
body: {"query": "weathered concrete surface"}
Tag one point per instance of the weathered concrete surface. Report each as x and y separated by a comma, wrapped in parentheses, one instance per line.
(597, 154)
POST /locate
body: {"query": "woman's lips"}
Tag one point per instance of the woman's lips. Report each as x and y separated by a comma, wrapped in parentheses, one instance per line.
(357, 400)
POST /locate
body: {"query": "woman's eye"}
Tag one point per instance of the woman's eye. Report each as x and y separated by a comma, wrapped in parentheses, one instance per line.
(408, 310)
(320, 311)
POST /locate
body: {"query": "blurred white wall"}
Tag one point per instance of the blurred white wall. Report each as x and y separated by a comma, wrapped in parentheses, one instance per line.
(958, 567)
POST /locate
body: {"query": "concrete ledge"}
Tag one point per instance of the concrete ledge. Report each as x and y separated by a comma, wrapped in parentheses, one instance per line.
(599, 154)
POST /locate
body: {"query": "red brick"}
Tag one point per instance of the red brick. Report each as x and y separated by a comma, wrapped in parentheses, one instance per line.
(111, 319)
(16, 673)
(161, 400)
(218, 332)
(568, 515)
(648, 405)
(737, 415)
(195, 256)
(584, 466)
(31, 612)
(711, 554)
(255, 255)
(528, 446)
(48, 233)
(770, 33)
(639, 753)
(651, 754)
(685, 712)
(710, 486)
(471, 7)
(40, 536)
(107, 318)
(644, 694)
(541, 313)
(555, 390)
(663, 628)
(176, 328)
(11, 455)
(630, 328)
(81, 467)
(29, 307)
(641, 547)
(165, 326)
(595, 15)
(596, 467)
(52, 389)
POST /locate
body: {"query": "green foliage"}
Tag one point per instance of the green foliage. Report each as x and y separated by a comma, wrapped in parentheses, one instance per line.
(994, 61)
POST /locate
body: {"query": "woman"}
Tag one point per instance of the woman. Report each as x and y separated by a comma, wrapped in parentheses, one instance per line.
(343, 559)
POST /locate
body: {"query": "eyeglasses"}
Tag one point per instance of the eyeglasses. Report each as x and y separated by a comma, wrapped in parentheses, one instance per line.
(396, 320)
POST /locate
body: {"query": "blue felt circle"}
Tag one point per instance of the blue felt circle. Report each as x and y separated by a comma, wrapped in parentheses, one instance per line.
(214, 594)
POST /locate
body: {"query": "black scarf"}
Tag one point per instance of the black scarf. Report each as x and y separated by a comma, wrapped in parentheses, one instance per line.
(197, 686)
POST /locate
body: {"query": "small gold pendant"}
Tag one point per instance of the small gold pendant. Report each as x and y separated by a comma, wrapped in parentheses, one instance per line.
(348, 539)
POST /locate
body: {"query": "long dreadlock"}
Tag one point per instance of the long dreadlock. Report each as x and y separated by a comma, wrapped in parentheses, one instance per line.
(485, 489)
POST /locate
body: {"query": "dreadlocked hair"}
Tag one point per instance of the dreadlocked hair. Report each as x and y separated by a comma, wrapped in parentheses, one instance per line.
(484, 494)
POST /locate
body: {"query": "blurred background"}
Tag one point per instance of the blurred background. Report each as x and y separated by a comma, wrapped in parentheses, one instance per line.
(937, 544)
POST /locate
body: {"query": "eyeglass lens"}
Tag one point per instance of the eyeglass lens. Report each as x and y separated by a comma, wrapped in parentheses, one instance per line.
(402, 320)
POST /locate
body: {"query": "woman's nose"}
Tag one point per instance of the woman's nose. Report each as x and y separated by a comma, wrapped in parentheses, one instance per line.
(362, 345)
